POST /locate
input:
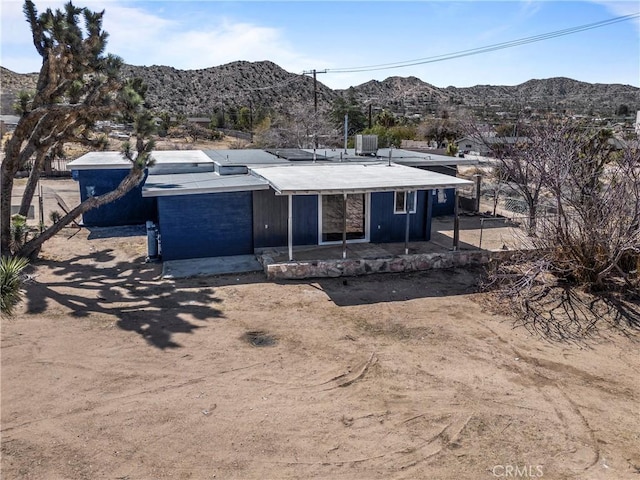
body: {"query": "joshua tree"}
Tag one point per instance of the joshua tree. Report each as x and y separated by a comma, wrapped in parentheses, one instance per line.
(78, 85)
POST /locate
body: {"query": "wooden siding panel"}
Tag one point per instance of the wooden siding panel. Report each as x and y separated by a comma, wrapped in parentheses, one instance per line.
(269, 219)
(206, 225)
(132, 209)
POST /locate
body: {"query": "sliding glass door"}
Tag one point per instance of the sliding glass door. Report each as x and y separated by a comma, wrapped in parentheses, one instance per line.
(332, 224)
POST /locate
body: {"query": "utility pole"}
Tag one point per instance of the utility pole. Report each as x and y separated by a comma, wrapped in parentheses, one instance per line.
(251, 119)
(314, 72)
(346, 131)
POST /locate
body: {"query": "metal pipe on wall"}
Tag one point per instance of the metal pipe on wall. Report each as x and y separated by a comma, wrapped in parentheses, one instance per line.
(344, 225)
(290, 226)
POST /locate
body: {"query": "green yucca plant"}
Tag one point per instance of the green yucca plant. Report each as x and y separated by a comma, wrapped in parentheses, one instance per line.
(11, 283)
(19, 231)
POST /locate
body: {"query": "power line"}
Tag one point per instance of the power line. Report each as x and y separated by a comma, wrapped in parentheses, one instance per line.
(485, 49)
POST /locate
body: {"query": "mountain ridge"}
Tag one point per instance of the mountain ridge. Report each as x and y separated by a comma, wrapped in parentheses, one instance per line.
(265, 85)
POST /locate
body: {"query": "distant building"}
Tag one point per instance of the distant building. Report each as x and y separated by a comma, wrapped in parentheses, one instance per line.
(486, 145)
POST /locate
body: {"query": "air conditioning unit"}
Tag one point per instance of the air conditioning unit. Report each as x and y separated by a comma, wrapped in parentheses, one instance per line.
(366, 144)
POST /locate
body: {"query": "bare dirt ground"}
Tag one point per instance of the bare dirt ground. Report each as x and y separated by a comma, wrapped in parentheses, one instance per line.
(109, 372)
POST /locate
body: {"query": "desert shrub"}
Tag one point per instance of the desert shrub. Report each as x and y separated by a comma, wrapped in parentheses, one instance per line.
(11, 283)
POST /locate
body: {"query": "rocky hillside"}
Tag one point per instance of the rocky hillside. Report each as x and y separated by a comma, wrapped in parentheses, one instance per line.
(201, 92)
(11, 84)
(403, 95)
(553, 93)
(266, 86)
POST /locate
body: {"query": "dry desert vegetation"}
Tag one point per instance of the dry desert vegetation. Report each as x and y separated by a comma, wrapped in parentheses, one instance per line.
(110, 372)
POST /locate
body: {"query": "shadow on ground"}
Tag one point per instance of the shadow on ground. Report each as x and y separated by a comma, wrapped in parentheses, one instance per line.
(395, 287)
(116, 232)
(131, 291)
(566, 313)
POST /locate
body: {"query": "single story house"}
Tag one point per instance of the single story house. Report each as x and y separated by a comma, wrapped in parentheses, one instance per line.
(234, 202)
(486, 145)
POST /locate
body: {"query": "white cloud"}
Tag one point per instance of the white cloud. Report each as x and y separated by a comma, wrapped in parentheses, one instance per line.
(18, 52)
(133, 32)
(165, 42)
(15, 29)
(224, 42)
(141, 37)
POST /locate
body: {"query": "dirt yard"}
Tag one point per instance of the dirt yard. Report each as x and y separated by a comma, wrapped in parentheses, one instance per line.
(109, 372)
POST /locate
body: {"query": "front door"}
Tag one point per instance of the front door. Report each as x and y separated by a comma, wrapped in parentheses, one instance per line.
(332, 219)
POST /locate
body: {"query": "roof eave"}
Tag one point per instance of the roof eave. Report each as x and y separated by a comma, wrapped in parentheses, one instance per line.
(177, 191)
(122, 166)
(370, 190)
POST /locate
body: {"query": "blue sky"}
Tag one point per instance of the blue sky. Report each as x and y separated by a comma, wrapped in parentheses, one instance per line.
(303, 35)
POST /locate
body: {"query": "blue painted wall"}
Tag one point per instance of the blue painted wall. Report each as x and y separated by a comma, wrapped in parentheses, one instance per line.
(387, 226)
(443, 202)
(132, 209)
(446, 206)
(206, 225)
(210, 225)
(305, 220)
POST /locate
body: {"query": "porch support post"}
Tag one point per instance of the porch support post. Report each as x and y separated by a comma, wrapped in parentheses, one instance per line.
(290, 226)
(344, 225)
(456, 222)
(406, 226)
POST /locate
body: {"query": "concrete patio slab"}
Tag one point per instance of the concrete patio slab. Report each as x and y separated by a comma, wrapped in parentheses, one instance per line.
(202, 267)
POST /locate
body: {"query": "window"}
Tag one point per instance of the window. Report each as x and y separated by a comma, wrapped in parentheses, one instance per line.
(400, 202)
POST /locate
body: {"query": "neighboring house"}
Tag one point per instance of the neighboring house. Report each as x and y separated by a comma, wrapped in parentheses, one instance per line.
(232, 202)
(485, 146)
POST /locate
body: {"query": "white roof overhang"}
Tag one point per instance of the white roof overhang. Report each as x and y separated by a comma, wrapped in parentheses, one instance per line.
(352, 178)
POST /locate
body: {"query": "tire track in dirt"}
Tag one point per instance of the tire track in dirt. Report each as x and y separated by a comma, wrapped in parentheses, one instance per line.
(568, 414)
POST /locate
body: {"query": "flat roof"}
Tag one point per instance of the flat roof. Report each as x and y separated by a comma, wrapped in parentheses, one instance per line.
(409, 157)
(229, 158)
(181, 156)
(398, 155)
(297, 154)
(202, 182)
(115, 160)
(352, 178)
(99, 161)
